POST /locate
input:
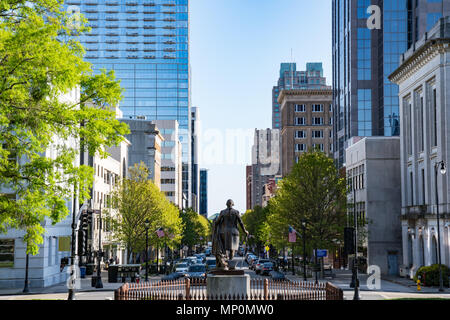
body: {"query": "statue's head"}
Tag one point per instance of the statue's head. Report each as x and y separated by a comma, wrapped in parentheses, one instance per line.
(230, 203)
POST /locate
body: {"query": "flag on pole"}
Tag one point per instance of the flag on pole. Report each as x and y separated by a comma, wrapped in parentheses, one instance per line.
(292, 234)
(160, 233)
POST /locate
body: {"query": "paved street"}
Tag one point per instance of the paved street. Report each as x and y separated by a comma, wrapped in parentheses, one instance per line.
(390, 289)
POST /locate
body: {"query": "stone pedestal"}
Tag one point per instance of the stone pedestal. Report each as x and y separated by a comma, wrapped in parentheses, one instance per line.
(228, 285)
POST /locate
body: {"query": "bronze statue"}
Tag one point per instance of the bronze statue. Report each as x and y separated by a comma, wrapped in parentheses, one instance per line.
(225, 236)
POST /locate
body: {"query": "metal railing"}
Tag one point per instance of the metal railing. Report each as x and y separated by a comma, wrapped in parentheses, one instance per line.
(260, 289)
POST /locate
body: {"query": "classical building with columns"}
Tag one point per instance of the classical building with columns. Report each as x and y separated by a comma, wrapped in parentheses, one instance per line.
(424, 93)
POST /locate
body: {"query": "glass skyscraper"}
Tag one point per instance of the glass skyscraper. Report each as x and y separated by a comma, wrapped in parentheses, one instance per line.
(146, 43)
(365, 101)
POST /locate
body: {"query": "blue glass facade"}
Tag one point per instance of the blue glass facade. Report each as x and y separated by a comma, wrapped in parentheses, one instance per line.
(365, 101)
(203, 192)
(395, 35)
(146, 42)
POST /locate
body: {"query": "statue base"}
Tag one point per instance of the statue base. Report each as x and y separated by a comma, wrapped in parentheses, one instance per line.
(227, 272)
(227, 285)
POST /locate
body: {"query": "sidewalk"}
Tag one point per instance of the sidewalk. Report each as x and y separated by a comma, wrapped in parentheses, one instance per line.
(85, 286)
(388, 283)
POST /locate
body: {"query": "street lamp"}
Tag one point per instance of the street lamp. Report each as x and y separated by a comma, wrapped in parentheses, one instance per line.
(355, 280)
(99, 283)
(304, 249)
(26, 289)
(443, 169)
(147, 226)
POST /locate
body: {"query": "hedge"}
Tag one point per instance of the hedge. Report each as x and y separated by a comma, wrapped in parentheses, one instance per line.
(429, 275)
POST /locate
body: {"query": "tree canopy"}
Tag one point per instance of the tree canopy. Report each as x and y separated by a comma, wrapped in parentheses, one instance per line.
(40, 62)
(196, 228)
(313, 192)
(137, 199)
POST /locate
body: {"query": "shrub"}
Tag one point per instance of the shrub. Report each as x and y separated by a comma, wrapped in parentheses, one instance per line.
(429, 275)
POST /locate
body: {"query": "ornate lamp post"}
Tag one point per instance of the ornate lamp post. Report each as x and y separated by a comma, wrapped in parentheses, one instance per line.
(26, 289)
(304, 249)
(99, 283)
(443, 169)
(147, 226)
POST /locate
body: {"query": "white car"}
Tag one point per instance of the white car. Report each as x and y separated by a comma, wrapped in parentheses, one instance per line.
(181, 268)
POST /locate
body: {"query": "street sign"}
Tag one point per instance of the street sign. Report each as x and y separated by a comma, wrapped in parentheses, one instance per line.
(322, 253)
(267, 248)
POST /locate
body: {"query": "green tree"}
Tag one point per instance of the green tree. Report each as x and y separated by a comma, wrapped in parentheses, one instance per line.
(255, 222)
(136, 199)
(315, 192)
(196, 228)
(40, 62)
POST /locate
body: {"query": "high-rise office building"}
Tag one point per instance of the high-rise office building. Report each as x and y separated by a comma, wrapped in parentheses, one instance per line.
(266, 158)
(365, 101)
(146, 43)
(290, 78)
(203, 197)
(306, 123)
(194, 158)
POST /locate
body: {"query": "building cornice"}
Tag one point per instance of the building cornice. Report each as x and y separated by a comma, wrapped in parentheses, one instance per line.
(419, 59)
(304, 92)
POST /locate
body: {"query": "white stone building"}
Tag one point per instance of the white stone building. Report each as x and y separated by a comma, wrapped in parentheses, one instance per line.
(424, 93)
(373, 170)
(44, 268)
(171, 161)
(107, 174)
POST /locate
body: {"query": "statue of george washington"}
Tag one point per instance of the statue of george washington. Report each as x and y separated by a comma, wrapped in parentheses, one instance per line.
(225, 236)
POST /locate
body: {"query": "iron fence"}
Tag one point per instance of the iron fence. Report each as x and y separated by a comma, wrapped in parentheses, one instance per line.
(260, 289)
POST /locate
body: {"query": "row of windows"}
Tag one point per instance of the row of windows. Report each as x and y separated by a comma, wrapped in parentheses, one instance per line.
(314, 108)
(301, 147)
(315, 121)
(316, 134)
(355, 178)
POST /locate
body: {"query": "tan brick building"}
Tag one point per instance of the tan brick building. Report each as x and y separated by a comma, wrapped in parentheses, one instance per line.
(306, 122)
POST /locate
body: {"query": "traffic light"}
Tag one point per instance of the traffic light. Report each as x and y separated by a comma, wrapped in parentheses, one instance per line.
(84, 220)
(349, 240)
(89, 217)
(81, 243)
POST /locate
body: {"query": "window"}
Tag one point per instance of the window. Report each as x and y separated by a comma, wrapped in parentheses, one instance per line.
(318, 146)
(6, 253)
(300, 147)
(167, 181)
(434, 123)
(317, 134)
(316, 121)
(300, 121)
(300, 108)
(300, 134)
(317, 108)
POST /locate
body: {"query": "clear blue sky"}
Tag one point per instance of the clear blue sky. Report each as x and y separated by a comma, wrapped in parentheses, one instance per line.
(236, 50)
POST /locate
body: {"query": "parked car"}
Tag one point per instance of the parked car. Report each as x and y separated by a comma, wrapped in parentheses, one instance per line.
(253, 262)
(279, 276)
(247, 256)
(181, 268)
(208, 252)
(200, 257)
(210, 264)
(172, 276)
(267, 267)
(250, 259)
(193, 260)
(196, 271)
(258, 265)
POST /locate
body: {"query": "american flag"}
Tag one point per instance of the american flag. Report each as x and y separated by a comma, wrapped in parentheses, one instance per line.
(292, 234)
(160, 233)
